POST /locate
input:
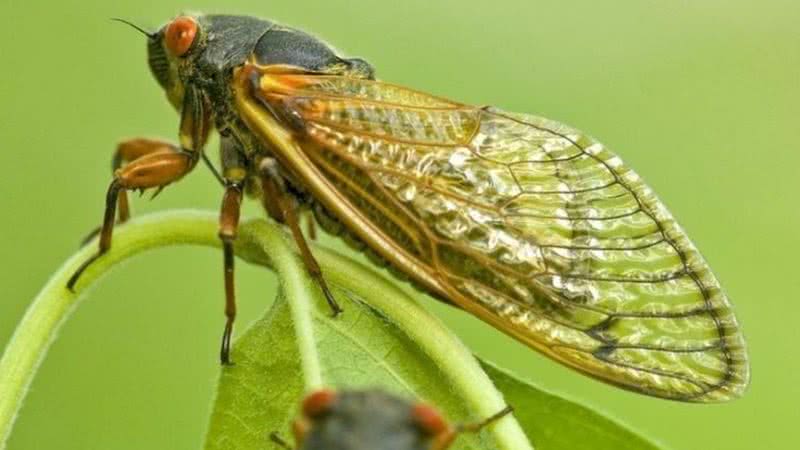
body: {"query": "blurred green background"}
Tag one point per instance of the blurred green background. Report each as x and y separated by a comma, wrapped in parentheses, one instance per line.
(702, 98)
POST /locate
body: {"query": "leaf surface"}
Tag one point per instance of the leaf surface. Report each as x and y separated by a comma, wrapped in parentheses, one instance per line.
(556, 423)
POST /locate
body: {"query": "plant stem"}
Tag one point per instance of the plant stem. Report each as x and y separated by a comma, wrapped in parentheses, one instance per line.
(292, 282)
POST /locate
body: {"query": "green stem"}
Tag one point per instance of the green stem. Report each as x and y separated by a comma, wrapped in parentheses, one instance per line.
(294, 287)
(260, 243)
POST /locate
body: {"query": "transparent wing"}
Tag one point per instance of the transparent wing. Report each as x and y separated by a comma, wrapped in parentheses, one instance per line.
(531, 225)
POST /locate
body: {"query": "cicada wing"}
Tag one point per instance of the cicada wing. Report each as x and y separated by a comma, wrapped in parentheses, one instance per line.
(525, 222)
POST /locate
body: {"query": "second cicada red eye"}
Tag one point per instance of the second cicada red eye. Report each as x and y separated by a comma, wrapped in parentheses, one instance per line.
(428, 419)
(318, 403)
(180, 34)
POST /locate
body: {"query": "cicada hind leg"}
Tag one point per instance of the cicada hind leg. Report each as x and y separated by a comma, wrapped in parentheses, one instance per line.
(282, 207)
(150, 164)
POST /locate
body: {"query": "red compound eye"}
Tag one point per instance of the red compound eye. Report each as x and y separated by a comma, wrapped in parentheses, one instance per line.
(318, 403)
(428, 419)
(180, 34)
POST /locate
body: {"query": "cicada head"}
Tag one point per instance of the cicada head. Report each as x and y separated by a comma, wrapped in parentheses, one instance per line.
(368, 419)
(199, 50)
(203, 50)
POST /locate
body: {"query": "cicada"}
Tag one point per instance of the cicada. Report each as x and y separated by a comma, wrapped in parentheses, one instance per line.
(526, 223)
(374, 420)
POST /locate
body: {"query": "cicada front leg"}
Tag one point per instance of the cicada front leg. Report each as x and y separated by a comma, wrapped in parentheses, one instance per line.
(154, 164)
(156, 168)
(283, 208)
(127, 152)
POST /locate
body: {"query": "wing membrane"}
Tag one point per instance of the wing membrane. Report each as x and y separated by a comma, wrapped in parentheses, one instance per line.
(525, 222)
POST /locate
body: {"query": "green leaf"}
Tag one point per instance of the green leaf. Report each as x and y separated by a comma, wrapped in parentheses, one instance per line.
(383, 339)
(555, 423)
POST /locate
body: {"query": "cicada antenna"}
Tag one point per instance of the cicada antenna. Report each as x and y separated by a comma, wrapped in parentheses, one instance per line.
(477, 426)
(444, 440)
(135, 27)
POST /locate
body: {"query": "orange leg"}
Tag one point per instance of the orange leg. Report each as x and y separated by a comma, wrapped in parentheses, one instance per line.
(127, 152)
(156, 166)
(281, 207)
(228, 230)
